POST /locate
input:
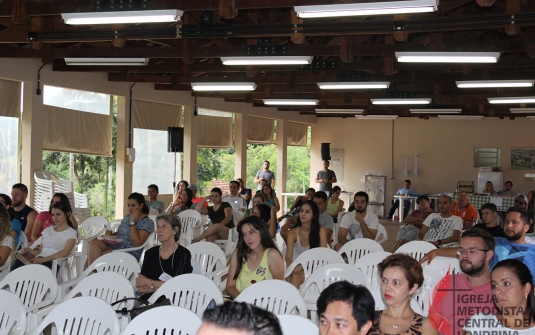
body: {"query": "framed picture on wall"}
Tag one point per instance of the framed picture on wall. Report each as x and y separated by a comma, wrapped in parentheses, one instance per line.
(522, 158)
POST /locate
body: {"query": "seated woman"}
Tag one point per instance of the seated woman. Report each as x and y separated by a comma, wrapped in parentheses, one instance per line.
(256, 257)
(134, 230)
(7, 243)
(16, 226)
(244, 192)
(58, 240)
(272, 200)
(182, 200)
(291, 215)
(258, 199)
(401, 275)
(489, 189)
(220, 214)
(165, 261)
(512, 290)
(44, 219)
(335, 204)
(311, 235)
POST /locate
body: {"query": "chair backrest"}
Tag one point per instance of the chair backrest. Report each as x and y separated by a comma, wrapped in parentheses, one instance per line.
(331, 273)
(119, 262)
(443, 265)
(382, 235)
(164, 320)
(81, 316)
(12, 314)
(313, 259)
(208, 255)
(154, 212)
(276, 296)
(236, 215)
(34, 284)
(424, 295)
(190, 291)
(368, 265)
(297, 325)
(380, 304)
(355, 249)
(196, 267)
(94, 226)
(113, 225)
(416, 249)
(108, 286)
(189, 219)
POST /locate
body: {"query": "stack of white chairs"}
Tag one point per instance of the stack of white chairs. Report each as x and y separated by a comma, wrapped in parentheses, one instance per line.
(368, 265)
(358, 248)
(12, 314)
(416, 249)
(211, 260)
(314, 259)
(164, 320)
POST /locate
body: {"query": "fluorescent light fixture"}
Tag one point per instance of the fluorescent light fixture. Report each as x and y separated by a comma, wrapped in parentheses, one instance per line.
(376, 117)
(495, 83)
(353, 85)
(140, 16)
(512, 100)
(408, 101)
(298, 102)
(218, 87)
(461, 117)
(436, 110)
(447, 57)
(267, 60)
(107, 61)
(522, 110)
(338, 111)
(371, 8)
(531, 118)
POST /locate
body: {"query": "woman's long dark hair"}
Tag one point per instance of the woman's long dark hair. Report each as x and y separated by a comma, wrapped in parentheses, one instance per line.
(265, 212)
(314, 235)
(140, 199)
(242, 249)
(63, 199)
(7, 200)
(271, 192)
(190, 197)
(66, 210)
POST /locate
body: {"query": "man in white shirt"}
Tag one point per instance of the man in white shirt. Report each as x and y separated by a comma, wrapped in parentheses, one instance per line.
(359, 223)
(320, 198)
(234, 199)
(442, 228)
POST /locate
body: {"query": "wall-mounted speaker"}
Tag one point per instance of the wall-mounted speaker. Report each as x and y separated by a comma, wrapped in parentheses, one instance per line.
(326, 151)
(175, 139)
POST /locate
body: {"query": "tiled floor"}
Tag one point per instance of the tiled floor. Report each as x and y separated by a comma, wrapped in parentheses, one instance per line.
(392, 228)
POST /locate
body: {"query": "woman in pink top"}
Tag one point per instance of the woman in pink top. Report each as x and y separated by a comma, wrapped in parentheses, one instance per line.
(44, 219)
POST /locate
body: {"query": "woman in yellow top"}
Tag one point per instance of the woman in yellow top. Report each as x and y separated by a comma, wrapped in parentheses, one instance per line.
(256, 257)
(334, 203)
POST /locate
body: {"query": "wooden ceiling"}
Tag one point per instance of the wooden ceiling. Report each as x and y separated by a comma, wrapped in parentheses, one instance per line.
(358, 47)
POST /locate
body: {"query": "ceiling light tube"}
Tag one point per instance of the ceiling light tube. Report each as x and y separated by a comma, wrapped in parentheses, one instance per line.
(338, 111)
(107, 61)
(512, 100)
(436, 110)
(460, 117)
(494, 83)
(353, 85)
(371, 8)
(219, 87)
(294, 102)
(141, 16)
(522, 110)
(531, 118)
(267, 60)
(447, 57)
(408, 101)
(376, 117)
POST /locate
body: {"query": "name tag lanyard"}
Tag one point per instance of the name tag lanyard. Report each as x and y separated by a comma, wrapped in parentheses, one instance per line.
(160, 259)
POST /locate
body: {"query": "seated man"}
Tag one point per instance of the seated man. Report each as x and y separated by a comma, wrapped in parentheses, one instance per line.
(508, 191)
(406, 190)
(359, 223)
(413, 222)
(443, 228)
(489, 212)
(234, 199)
(464, 210)
(320, 198)
(153, 201)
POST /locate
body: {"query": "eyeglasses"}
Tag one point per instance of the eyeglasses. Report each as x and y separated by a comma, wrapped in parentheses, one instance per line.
(470, 251)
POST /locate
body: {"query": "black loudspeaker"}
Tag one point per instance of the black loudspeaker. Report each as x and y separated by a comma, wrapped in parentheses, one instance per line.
(325, 152)
(175, 139)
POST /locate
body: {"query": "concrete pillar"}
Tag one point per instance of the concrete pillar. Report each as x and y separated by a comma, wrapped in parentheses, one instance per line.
(282, 157)
(32, 137)
(124, 168)
(240, 136)
(190, 145)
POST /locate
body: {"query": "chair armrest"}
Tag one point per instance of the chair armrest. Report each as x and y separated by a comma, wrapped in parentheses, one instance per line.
(217, 276)
(35, 317)
(290, 269)
(64, 287)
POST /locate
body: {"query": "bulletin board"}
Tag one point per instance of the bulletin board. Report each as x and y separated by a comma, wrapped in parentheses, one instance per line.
(337, 163)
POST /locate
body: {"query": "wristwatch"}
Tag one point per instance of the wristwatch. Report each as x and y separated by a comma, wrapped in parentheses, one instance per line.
(132, 223)
(152, 285)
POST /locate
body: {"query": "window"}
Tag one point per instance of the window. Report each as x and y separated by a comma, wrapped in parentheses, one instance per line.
(9, 137)
(83, 101)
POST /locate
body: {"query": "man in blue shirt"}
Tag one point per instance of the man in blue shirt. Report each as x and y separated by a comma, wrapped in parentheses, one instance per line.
(406, 190)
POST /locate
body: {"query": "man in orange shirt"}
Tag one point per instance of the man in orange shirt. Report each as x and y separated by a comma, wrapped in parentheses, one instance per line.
(464, 210)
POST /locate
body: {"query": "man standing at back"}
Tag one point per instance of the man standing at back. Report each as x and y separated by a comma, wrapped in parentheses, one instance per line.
(265, 174)
(326, 178)
(464, 210)
(20, 211)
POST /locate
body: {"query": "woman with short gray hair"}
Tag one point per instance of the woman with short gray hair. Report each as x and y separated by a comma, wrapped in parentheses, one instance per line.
(165, 261)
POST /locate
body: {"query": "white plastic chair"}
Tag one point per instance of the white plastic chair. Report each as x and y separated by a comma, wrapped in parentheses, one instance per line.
(88, 230)
(382, 235)
(314, 259)
(297, 325)
(84, 315)
(196, 267)
(12, 314)
(34, 284)
(164, 320)
(444, 264)
(229, 245)
(142, 247)
(61, 267)
(191, 220)
(357, 248)
(190, 291)
(380, 304)
(325, 276)
(211, 260)
(416, 249)
(368, 265)
(276, 296)
(424, 295)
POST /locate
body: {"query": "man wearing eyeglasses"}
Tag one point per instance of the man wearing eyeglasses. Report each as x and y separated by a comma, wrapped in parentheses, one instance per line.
(469, 292)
